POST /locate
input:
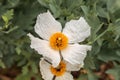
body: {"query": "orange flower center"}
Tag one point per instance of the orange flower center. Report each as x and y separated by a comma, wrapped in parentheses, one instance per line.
(60, 70)
(58, 41)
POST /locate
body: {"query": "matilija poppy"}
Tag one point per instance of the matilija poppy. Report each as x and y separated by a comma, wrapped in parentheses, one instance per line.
(62, 72)
(58, 43)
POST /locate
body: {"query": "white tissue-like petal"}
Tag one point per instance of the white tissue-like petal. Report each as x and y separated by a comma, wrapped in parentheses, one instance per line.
(42, 47)
(46, 25)
(75, 53)
(77, 30)
(75, 67)
(45, 70)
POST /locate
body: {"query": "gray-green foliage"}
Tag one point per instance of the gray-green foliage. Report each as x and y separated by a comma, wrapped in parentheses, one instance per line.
(17, 18)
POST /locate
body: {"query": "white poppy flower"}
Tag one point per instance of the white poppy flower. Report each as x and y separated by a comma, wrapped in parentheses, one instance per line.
(62, 72)
(57, 42)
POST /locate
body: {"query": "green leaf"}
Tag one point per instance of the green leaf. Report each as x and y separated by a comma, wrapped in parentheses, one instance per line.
(83, 77)
(95, 49)
(13, 2)
(115, 72)
(10, 30)
(8, 16)
(43, 2)
(18, 50)
(34, 68)
(55, 10)
(85, 10)
(89, 62)
(108, 55)
(5, 18)
(113, 5)
(23, 77)
(2, 64)
(92, 76)
(102, 12)
(25, 70)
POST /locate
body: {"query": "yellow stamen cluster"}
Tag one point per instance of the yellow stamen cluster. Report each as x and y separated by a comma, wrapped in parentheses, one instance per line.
(60, 70)
(58, 41)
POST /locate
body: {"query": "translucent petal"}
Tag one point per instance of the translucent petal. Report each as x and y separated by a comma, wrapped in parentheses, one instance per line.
(42, 47)
(45, 70)
(77, 30)
(46, 25)
(75, 53)
(75, 67)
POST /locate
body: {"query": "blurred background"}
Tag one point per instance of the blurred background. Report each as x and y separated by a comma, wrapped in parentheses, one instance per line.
(17, 18)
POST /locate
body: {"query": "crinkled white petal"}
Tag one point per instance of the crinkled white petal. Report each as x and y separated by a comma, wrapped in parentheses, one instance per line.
(66, 76)
(75, 53)
(77, 30)
(46, 25)
(75, 67)
(45, 70)
(42, 47)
